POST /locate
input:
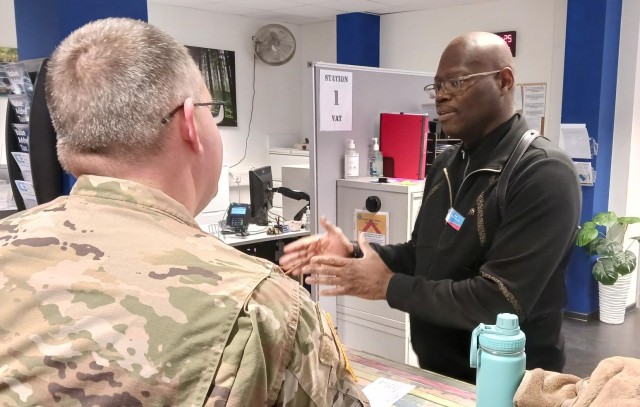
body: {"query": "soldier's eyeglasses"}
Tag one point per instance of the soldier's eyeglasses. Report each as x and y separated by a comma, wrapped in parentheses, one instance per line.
(168, 117)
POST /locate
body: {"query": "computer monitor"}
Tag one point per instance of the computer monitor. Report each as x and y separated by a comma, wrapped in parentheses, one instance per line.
(260, 189)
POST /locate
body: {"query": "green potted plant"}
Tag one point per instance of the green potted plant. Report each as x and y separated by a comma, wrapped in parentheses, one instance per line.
(614, 263)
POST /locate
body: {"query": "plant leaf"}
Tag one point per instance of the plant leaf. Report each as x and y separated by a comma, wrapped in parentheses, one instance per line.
(588, 225)
(605, 219)
(608, 248)
(625, 262)
(604, 272)
(628, 220)
(586, 235)
(617, 232)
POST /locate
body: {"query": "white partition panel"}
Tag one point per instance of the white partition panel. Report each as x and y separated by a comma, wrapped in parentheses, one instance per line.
(374, 91)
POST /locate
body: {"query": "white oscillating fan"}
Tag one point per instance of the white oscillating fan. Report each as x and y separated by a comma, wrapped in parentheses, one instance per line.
(274, 44)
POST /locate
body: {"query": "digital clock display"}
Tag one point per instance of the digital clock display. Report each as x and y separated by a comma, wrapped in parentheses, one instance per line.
(510, 38)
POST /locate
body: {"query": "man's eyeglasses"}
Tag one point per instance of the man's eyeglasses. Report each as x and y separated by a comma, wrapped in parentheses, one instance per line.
(453, 86)
(211, 105)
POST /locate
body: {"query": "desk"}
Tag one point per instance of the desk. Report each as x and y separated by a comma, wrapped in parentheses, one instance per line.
(431, 389)
(258, 243)
(259, 236)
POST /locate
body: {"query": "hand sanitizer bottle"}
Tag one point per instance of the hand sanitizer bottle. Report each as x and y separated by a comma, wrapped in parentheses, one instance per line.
(375, 159)
(351, 160)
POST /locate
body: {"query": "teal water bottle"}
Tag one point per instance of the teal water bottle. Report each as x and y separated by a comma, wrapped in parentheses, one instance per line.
(497, 352)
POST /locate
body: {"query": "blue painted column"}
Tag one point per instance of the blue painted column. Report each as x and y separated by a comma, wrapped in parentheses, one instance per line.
(358, 39)
(42, 24)
(589, 93)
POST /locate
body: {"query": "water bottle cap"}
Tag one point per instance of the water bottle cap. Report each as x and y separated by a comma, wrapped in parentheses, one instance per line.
(502, 343)
(504, 336)
(351, 144)
(507, 324)
(374, 144)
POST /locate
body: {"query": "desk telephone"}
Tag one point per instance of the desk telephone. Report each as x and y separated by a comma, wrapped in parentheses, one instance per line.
(238, 218)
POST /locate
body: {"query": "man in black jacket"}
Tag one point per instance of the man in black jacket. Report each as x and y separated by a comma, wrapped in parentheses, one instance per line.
(467, 261)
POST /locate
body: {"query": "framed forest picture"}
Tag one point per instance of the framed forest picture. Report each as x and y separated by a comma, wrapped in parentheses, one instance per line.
(218, 69)
(7, 56)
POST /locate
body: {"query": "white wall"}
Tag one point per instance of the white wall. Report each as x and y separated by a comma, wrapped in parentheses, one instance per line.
(415, 41)
(7, 39)
(7, 24)
(624, 192)
(317, 44)
(277, 107)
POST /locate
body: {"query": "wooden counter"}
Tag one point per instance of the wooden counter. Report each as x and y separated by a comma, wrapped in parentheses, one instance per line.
(431, 389)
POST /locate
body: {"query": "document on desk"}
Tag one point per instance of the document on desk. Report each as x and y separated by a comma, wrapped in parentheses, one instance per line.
(384, 392)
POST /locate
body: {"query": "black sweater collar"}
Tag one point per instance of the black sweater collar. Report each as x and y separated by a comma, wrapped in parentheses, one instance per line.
(494, 150)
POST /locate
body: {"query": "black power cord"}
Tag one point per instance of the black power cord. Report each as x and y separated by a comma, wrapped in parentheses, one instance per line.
(253, 98)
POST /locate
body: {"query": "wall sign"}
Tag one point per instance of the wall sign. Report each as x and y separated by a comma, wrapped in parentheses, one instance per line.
(336, 96)
(510, 38)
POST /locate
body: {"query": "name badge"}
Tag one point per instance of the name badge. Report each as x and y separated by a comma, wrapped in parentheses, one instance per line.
(454, 219)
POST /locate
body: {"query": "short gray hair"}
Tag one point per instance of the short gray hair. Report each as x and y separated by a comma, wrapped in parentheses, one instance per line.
(110, 83)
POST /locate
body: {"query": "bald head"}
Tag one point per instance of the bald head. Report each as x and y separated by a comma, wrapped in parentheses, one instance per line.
(481, 50)
(475, 74)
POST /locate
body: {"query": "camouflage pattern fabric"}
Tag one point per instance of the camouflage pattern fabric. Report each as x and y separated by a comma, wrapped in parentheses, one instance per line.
(113, 296)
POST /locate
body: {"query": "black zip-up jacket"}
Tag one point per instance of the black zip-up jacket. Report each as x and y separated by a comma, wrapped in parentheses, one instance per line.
(451, 280)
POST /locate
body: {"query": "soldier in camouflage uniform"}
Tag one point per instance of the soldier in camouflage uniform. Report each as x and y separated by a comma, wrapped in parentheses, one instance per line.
(113, 296)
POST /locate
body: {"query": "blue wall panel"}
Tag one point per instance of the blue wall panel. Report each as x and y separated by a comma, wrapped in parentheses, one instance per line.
(589, 92)
(358, 39)
(42, 24)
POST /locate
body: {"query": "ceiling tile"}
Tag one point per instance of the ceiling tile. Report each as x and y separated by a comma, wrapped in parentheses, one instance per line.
(181, 3)
(352, 5)
(409, 5)
(304, 20)
(265, 5)
(404, 2)
(288, 18)
(229, 7)
(316, 2)
(311, 11)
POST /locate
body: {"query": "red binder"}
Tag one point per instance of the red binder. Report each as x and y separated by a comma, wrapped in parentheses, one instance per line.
(403, 143)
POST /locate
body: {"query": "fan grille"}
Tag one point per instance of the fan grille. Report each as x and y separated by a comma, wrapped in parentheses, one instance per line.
(274, 44)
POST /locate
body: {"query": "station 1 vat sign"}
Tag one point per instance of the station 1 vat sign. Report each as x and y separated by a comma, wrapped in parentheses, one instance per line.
(336, 98)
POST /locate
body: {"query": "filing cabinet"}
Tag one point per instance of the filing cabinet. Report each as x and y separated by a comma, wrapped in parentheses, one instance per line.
(373, 326)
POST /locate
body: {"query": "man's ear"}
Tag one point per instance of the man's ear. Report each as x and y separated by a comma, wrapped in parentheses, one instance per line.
(506, 80)
(190, 135)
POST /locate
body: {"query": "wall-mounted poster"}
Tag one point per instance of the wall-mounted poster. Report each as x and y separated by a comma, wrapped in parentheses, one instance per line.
(218, 68)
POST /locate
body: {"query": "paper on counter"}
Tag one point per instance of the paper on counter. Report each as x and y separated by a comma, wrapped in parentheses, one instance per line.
(27, 193)
(384, 392)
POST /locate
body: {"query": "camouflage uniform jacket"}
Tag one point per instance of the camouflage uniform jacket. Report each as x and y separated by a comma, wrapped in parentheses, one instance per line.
(113, 296)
